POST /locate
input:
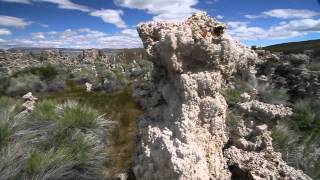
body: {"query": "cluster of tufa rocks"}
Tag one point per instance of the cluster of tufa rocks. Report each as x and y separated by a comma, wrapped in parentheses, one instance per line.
(29, 101)
(184, 134)
(12, 61)
(299, 73)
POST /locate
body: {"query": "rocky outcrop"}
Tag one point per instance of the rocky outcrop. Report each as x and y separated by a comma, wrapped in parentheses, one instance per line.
(29, 102)
(268, 111)
(183, 134)
(90, 55)
(260, 165)
(250, 153)
(294, 72)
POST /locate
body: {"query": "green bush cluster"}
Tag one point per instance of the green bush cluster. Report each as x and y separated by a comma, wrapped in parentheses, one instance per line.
(306, 115)
(233, 95)
(85, 74)
(36, 79)
(120, 107)
(8, 110)
(297, 137)
(60, 141)
(45, 73)
(24, 83)
(272, 95)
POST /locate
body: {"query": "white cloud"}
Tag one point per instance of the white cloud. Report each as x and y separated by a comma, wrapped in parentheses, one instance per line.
(78, 38)
(38, 35)
(219, 17)
(249, 16)
(162, 9)
(286, 14)
(13, 21)
(110, 16)
(107, 15)
(291, 13)
(52, 32)
(4, 32)
(17, 1)
(66, 4)
(62, 4)
(44, 25)
(211, 1)
(240, 30)
(283, 30)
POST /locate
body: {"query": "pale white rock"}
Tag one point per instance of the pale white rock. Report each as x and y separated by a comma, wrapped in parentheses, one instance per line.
(88, 87)
(262, 165)
(183, 132)
(245, 96)
(265, 110)
(30, 101)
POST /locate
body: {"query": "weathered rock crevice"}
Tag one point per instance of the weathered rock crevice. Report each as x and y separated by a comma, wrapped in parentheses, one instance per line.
(183, 134)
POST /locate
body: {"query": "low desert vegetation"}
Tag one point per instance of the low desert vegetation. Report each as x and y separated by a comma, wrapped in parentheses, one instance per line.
(121, 108)
(233, 95)
(272, 95)
(297, 137)
(56, 141)
(24, 83)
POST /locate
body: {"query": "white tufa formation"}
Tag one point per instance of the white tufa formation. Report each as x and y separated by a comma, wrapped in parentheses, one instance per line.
(88, 87)
(183, 133)
(269, 111)
(29, 101)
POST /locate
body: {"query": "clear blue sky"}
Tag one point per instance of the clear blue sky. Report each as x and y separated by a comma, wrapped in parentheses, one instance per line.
(111, 23)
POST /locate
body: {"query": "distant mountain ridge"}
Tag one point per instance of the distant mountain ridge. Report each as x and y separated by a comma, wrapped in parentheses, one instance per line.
(70, 51)
(295, 47)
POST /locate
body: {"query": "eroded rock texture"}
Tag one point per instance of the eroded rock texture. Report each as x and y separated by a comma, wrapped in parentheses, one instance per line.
(183, 134)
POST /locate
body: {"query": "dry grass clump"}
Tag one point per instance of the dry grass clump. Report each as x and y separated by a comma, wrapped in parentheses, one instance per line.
(55, 141)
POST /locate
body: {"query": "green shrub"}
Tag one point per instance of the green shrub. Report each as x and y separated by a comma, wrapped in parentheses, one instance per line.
(232, 96)
(283, 137)
(231, 119)
(8, 110)
(6, 131)
(25, 83)
(79, 150)
(77, 116)
(45, 111)
(45, 73)
(56, 143)
(243, 86)
(297, 137)
(273, 95)
(85, 73)
(307, 115)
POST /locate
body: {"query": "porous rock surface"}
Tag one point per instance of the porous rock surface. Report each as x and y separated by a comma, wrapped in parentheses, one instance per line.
(29, 101)
(183, 133)
(291, 72)
(269, 111)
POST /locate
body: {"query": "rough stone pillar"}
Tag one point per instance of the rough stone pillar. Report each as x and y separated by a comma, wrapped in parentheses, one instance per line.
(182, 134)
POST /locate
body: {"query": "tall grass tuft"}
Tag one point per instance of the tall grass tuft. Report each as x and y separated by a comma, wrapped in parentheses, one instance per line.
(8, 110)
(25, 83)
(297, 137)
(55, 141)
(74, 115)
